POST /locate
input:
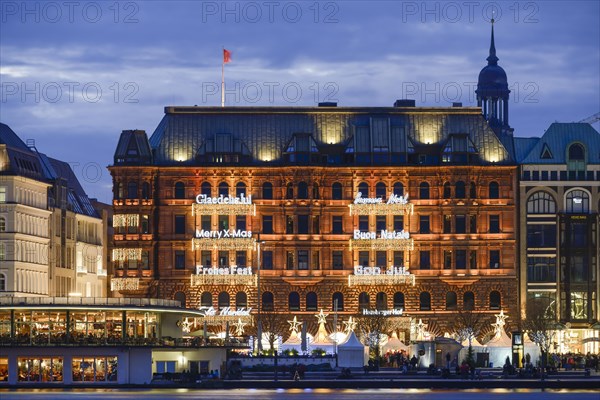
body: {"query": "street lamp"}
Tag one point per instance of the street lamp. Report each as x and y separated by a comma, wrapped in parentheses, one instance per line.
(258, 299)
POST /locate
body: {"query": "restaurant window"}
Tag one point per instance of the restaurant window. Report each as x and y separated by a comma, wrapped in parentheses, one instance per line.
(399, 301)
(241, 300)
(179, 190)
(206, 299)
(267, 301)
(267, 191)
(451, 301)
(363, 301)
(223, 300)
(337, 259)
(311, 301)
(339, 298)
(337, 191)
(40, 369)
(425, 301)
(294, 301)
(468, 301)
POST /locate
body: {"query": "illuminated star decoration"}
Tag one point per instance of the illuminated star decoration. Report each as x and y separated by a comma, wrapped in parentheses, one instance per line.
(500, 322)
(321, 317)
(186, 325)
(239, 327)
(350, 325)
(294, 324)
(420, 329)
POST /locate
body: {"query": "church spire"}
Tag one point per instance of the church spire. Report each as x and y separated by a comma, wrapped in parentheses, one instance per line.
(492, 59)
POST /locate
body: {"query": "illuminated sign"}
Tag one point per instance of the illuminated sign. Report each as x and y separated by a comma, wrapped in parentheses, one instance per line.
(384, 313)
(392, 270)
(229, 233)
(232, 270)
(225, 312)
(204, 199)
(385, 234)
(394, 199)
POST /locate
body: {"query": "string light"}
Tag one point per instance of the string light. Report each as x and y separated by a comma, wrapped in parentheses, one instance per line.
(381, 209)
(124, 220)
(383, 279)
(127, 254)
(223, 209)
(221, 319)
(223, 243)
(382, 244)
(206, 279)
(124, 284)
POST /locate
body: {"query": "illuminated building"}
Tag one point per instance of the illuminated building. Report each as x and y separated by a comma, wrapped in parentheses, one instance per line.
(559, 232)
(50, 234)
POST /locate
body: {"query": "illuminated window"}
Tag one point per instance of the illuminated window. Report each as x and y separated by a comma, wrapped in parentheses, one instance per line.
(578, 202)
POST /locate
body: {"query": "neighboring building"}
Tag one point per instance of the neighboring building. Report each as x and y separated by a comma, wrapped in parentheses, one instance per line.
(318, 194)
(559, 231)
(50, 240)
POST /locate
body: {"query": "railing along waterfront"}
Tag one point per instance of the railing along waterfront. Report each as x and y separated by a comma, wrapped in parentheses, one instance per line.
(86, 301)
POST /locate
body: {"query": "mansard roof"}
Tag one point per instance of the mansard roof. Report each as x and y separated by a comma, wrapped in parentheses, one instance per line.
(20, 159)
(556, 140)
(133, 148)
(263, 135)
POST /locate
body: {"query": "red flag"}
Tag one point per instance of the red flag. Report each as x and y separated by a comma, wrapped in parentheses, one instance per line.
(226, 56)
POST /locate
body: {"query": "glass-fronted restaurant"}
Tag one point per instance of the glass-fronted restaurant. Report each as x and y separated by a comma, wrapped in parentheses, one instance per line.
(97, 340)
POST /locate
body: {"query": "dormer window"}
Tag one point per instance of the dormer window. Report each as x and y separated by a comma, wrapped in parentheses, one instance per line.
(459, 149)
(223, 148)
(302, 149)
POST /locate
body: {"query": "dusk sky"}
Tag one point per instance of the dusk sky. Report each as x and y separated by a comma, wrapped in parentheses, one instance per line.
(75, 74)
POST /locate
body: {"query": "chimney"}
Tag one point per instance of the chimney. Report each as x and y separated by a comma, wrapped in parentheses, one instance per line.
(404, 103)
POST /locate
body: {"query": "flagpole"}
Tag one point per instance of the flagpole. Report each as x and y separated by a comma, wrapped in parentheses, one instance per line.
(223, 78)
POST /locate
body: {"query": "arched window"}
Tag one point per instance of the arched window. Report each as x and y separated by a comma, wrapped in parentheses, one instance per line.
(468, 301)
(381, 301)
(302, 190)
(311, 301)
(180, 297)
(336, 191)
(380, 190)
(424, 191)
(294, 301)
(340, 301)
(459, 190)
(206, 189)
(315, 193)
(240, 189)
(267, 301)
(398, 189)
(2, 224)
(206, 299)
(289, 191)
(494, 190)
(146, 191)
(363, 189)
(364, 301)
(576, 152)
(267, 191)
(473, 190)
(2, 283)
(132, 190)
(223, 189)
(241, 300)
(447, 190)
(399, 301)
(541, 203)
(224, 300)
(495, 300)
(425, 301)
(578, 202)
(179, 190)
(451, 301)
